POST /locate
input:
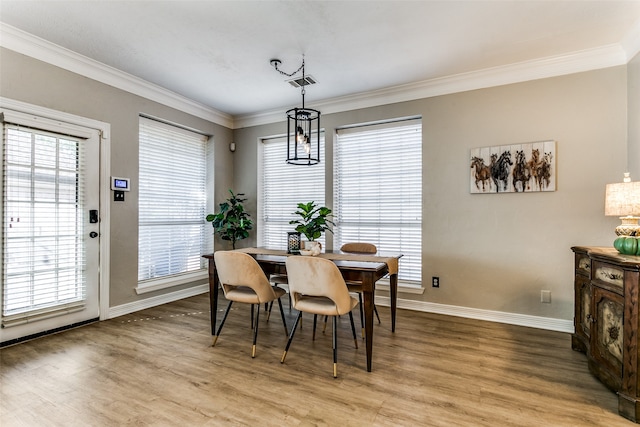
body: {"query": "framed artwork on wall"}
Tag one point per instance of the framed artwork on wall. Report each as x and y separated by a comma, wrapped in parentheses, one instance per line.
(516, 168)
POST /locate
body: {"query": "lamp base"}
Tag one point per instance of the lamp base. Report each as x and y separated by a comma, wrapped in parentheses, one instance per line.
(629, 226)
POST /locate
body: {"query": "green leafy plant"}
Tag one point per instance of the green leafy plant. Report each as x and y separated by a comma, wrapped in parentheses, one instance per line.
(232, 222)
(313, 220)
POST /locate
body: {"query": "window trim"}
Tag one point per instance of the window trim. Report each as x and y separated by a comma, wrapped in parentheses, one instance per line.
(164, 282)
(261, 183)
(411, 285)
(191, 276)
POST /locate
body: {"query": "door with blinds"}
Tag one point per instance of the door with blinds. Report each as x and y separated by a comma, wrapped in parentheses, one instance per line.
(50, 226)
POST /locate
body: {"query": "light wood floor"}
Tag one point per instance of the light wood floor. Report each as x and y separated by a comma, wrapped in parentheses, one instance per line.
(157, 368)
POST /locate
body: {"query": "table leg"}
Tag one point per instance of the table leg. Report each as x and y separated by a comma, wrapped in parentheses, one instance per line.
(368, 296)
(393, 285)
(213, 294)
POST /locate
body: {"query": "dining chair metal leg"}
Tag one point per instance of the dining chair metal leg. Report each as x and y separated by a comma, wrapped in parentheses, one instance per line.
(375, 310)
(293, 331)
(255, 332)
(335, 347)
(325, 324)
(226, 313)
(315, 321)
(284, 321)
(353, 329)
(270, 305)
(252, 308)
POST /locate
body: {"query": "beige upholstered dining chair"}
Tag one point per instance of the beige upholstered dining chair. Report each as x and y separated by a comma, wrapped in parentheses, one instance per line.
(356, 287)
(359, 248)
(243, 280)
(316, 286)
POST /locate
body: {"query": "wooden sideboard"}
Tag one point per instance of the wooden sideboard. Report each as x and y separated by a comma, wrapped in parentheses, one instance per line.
(606, 321)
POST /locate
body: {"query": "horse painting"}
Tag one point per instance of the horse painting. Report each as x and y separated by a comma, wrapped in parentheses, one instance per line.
(482, 172)
(516, 168)
(521, 172)
(501, 169)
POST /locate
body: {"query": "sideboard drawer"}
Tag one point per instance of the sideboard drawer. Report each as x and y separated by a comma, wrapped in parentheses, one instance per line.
(583, 264)
(609, 275)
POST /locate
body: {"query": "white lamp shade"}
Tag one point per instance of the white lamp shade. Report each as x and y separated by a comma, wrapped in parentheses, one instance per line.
(622, 199)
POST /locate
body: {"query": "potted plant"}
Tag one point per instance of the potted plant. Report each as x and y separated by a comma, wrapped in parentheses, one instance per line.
(232, 222)
(314, 220)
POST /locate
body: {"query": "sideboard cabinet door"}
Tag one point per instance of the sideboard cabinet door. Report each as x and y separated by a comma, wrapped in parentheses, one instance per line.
(580, 339)
(584, 297)
(607, 335)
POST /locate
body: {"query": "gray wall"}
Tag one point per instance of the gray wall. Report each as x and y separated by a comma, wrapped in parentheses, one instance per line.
(493, 252)
(497, 252)
(28, 80)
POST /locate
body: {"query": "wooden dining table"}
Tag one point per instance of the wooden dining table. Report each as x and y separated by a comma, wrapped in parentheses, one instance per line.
(364, 268)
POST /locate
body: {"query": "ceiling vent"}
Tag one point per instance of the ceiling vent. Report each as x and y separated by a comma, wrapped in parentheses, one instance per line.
(302, 81)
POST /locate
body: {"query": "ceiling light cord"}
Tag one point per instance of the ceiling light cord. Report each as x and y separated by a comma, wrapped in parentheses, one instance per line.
(276, 64)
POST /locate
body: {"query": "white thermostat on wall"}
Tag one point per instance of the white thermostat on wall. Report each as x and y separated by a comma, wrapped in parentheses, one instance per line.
(120, 184)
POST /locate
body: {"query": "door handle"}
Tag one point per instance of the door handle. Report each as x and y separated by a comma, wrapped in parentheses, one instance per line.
(93, 216)
(93, 234)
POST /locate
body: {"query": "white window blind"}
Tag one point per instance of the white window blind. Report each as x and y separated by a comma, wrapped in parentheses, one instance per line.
(172, 201)
(378, 190)
(43, 245)
(282, 187)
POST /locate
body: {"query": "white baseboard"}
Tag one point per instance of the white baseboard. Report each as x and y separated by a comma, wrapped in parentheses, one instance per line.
(538, 322)
(558, 325)
(132, 307)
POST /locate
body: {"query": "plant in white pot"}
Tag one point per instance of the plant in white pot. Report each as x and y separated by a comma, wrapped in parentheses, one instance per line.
(314, 220)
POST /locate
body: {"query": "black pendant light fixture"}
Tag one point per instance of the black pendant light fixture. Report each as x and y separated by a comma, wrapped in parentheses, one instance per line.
(303, 125)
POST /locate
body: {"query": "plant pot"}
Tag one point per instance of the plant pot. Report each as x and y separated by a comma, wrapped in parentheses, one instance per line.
(313, 247)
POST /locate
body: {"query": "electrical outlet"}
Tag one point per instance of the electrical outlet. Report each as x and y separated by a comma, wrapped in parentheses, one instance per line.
(435, 282)
(545, 297)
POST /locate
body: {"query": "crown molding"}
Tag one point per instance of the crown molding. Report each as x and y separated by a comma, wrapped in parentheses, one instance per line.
(631, 42)
(587, 60)
(576, 62)
(43, 50)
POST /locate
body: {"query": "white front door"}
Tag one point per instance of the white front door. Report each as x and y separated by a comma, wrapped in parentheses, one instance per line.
(50, 226)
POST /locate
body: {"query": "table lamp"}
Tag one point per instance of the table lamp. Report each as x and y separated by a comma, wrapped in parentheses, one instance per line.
(623, 200)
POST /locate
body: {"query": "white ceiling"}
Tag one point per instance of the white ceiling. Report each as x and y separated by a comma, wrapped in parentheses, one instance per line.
(217, 52)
